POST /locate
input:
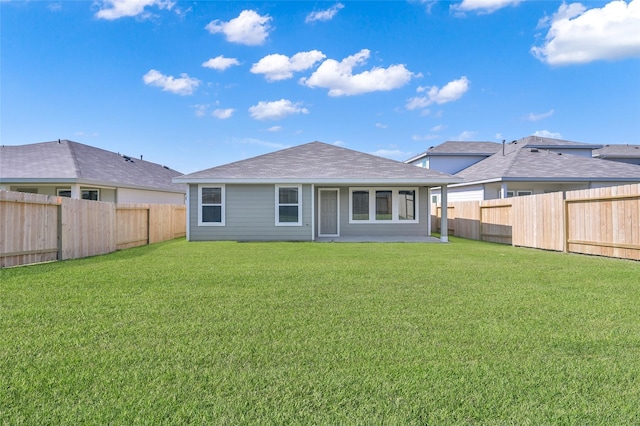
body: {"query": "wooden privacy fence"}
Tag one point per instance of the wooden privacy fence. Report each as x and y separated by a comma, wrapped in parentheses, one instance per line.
(601, 221)
(40, 228)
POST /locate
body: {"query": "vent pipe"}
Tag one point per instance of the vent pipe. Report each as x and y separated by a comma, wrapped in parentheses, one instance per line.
(503, 141)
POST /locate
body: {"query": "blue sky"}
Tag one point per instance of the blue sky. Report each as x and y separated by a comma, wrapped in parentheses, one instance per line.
(195, 84)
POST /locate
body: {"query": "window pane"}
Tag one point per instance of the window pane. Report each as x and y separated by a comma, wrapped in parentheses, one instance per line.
(90, 195)
(406, 205)
(288, 214)
(211, 195)
(212, 214)
(383, 205)
(64, 193)
(288, 196)
(360, 204)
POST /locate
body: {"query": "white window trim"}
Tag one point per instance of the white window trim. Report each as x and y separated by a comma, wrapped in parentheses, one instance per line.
(277, 203)
(97, 190)
(222, 205)
(372, 206)
(519, 193)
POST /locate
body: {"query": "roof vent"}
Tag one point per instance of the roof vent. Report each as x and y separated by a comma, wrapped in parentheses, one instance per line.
(534, 149)
(128, 159)
(559, 153)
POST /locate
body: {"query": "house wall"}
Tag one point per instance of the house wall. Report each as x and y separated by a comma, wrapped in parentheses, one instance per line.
(453, 164)
(378, 229)
(250, 216)
(105, 194)
(126, 195)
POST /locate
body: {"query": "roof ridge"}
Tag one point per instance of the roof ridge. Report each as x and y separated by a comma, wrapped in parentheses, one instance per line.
(76, 165)
(515, 153)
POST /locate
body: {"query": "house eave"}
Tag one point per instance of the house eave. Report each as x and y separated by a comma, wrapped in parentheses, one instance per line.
(547, 179)
(401, 181)
(85, 182)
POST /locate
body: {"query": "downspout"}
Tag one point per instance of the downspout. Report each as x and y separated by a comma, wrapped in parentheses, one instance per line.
(313, 212)
(188, 213)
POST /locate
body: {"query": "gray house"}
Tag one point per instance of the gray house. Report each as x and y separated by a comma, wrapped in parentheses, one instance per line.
(453, 156)
(70, 169)
(622, 153)
(524, 170)
(310, 192)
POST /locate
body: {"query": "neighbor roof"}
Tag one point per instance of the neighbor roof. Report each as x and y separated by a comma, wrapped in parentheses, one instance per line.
(458, 148)
(521, 162)
(618, 151)
(551, 143)
(67, 161)
(318, 162)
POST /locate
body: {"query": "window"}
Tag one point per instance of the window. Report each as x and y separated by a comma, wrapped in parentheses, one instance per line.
(383, 205)
(360, 205)
(288, 205)
(407, 205)
(211, 205)
(518, 193)
(85, 194)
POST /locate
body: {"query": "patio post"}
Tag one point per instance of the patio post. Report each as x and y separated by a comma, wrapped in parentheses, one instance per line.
(444, 225)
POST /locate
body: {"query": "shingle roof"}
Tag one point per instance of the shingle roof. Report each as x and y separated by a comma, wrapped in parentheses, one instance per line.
(318, 162)
(75, 161)
(618, 151)
(551, 143)
(524, 163)
(455, 148)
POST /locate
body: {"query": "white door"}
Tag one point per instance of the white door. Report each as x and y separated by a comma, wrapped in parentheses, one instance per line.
(329, 207)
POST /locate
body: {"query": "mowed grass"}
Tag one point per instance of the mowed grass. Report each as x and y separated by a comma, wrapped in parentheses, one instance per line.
(311, 333)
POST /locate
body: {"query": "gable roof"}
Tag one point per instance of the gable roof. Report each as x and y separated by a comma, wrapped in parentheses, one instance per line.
(524, 163)
(551, 143)
(67, 161)
(459, 148)
(318, 162)
(617, 151)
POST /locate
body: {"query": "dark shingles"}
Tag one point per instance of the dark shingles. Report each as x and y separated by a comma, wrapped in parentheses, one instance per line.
(321, 161)
(72, 160)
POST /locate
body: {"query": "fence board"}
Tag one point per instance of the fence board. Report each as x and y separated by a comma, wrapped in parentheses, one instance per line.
(538, 221)
(38, 228)
(495, 221)
(36, 240)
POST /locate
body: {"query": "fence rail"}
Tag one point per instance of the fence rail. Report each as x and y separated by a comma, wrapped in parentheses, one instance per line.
(40, 228)
(601, 221)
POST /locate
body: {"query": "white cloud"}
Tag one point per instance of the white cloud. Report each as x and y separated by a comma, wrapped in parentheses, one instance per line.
(466, 135)
(425, 137)
(184, 85)
(438, 128)
(274, 129)
(537, 117)
(248, 28)
(483, 6)
(338, 77)
(220, 63)
(201, 109)
(547, 134)
(280, 67)
(223, 114)
(276, 110)
(381, 126)
(324, 15)
(579, 36)
(115, 9)
(452, 91)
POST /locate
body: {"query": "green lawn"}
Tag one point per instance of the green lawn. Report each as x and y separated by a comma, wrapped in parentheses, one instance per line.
(310, 333)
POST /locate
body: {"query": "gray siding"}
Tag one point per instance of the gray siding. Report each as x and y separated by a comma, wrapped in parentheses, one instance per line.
(250, 216)
(379, 229)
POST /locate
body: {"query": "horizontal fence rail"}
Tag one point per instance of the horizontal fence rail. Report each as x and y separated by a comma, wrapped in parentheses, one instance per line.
(39, 228)
(600, 221)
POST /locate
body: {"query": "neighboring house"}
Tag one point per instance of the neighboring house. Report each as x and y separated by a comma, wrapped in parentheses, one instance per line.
(308, 192)
(558, 145)
(523, 170)
(71, 169)
(623, 153)
(451, 157)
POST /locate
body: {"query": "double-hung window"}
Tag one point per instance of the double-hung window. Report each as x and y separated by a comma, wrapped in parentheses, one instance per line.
(383, 205)
(211, 205)
(289, 205)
